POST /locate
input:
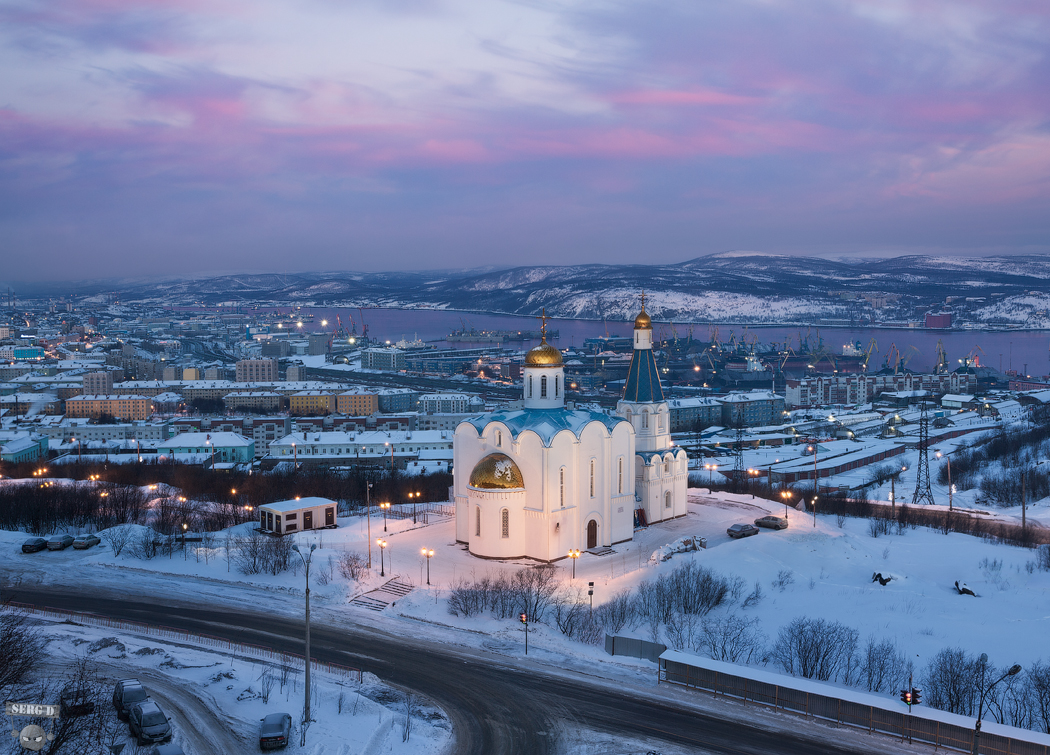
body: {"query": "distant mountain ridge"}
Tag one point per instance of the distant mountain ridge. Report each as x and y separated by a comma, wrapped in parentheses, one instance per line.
(742, 287)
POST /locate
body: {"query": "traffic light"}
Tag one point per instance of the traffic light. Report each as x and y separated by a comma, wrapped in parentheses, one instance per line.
(906, 696)
(524, 618)
(916, 695)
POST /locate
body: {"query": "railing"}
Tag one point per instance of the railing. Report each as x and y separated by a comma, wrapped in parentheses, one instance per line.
(179, 635)
(913, 727)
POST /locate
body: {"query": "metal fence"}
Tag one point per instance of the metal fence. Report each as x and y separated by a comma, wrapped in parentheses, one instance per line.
(629, 646)
(178, 635)
(913, 727)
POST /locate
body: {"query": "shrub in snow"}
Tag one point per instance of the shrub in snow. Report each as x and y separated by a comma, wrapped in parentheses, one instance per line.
(573, 616)
(817, 649)
(732, 638)
(754, 597)
(352, 566)
(784, 578)
(1042, 558)
(614, 614)
(951, 681)
(882, 666)
(118, 538)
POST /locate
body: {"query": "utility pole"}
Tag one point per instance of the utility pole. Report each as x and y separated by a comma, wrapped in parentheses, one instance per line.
(368, 518)
(306, 708)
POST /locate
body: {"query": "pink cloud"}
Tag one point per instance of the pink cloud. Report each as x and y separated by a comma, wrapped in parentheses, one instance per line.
(682, 97)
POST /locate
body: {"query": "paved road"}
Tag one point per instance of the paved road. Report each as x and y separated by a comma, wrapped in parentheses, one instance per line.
(494, 708)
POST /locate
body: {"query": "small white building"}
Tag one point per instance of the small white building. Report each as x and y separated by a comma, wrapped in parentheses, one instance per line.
(297, 515)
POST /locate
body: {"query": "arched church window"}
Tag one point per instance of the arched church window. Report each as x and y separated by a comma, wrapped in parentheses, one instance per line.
(557, 385)
(592, 478)
(499, 439)
(619, 486)
(667, 500)
(660, 421)
(477, 521)
(504, 517)
(530, 386)
(561, 487)
(667, 468)
(645, 418)
(543, 386)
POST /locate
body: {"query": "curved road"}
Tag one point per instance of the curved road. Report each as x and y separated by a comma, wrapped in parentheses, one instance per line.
(494, 707)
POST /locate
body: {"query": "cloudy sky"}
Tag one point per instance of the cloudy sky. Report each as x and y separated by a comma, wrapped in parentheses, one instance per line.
(165, 136)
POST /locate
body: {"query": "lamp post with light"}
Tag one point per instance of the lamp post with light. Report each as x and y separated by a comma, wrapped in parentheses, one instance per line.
(306, 707)
(382, 549)
(574, 554)
(429, 553)
(983, 661)
(785, 496)
(414, 498)
(384, 506)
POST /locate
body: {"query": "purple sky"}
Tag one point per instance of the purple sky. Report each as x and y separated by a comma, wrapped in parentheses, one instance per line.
(169, 136)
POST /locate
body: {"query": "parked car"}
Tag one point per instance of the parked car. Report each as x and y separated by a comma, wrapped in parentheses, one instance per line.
(275, 730)
(59, 542)
(83, 542)
(148, 723)
(772, 522)
(128, 693)
(34, 544)
(742, 530)
(168, 749)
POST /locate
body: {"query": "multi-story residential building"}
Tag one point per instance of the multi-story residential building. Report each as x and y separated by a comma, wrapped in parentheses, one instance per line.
(295, 373)
(850, 390)
(118, 406)
(391, 360)
(448, 403)
(687, 414)
(311, 403)
(256, 370)
(98, 383)
(752, 409)
(370, 446)
(206, 448)
(254, 401)
(393, 400)
(357, 404)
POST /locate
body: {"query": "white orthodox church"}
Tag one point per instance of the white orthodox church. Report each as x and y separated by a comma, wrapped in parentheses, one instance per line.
(539, 481)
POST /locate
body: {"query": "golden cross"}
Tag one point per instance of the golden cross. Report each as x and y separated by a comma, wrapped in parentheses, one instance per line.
(643, 299)
(543, 326)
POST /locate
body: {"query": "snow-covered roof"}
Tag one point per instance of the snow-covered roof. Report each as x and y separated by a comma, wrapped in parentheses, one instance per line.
(217, 440)
(546, 423)
(297, 504)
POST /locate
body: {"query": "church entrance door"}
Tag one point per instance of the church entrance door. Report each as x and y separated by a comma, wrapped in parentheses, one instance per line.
(592, 534)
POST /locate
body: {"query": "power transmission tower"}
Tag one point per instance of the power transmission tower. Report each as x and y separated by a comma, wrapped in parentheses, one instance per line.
(923, 494)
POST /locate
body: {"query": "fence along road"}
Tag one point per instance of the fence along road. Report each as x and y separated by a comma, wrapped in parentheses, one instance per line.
(701, 674)
(495, 708)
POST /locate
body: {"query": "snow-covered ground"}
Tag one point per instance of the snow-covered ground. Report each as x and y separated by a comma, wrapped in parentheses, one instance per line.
(216, 701)
(820, 571)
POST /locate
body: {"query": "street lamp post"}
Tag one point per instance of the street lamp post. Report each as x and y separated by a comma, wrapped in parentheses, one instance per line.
(368, 519)
(414, 497)
(429, 553)
(382, 548)
(306, 709)
(574, 554)
(384, 506)
(1012, 671)
(785, 496)
(184, 527)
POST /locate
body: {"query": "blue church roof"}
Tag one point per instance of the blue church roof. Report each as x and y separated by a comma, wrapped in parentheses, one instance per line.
(545, 422)
(643, 379)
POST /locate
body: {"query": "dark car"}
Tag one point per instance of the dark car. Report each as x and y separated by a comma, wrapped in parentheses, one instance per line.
(742, 530)
(34, 544)
(772, 522)
(59, 542)
(275, 730)
(126, 694)
(76, 702)
(167, 750)
(148, 723)
(83, 542)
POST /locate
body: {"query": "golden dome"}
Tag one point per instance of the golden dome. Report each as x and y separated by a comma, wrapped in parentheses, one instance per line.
(642, 321)
(543, 355)
(498, 472)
